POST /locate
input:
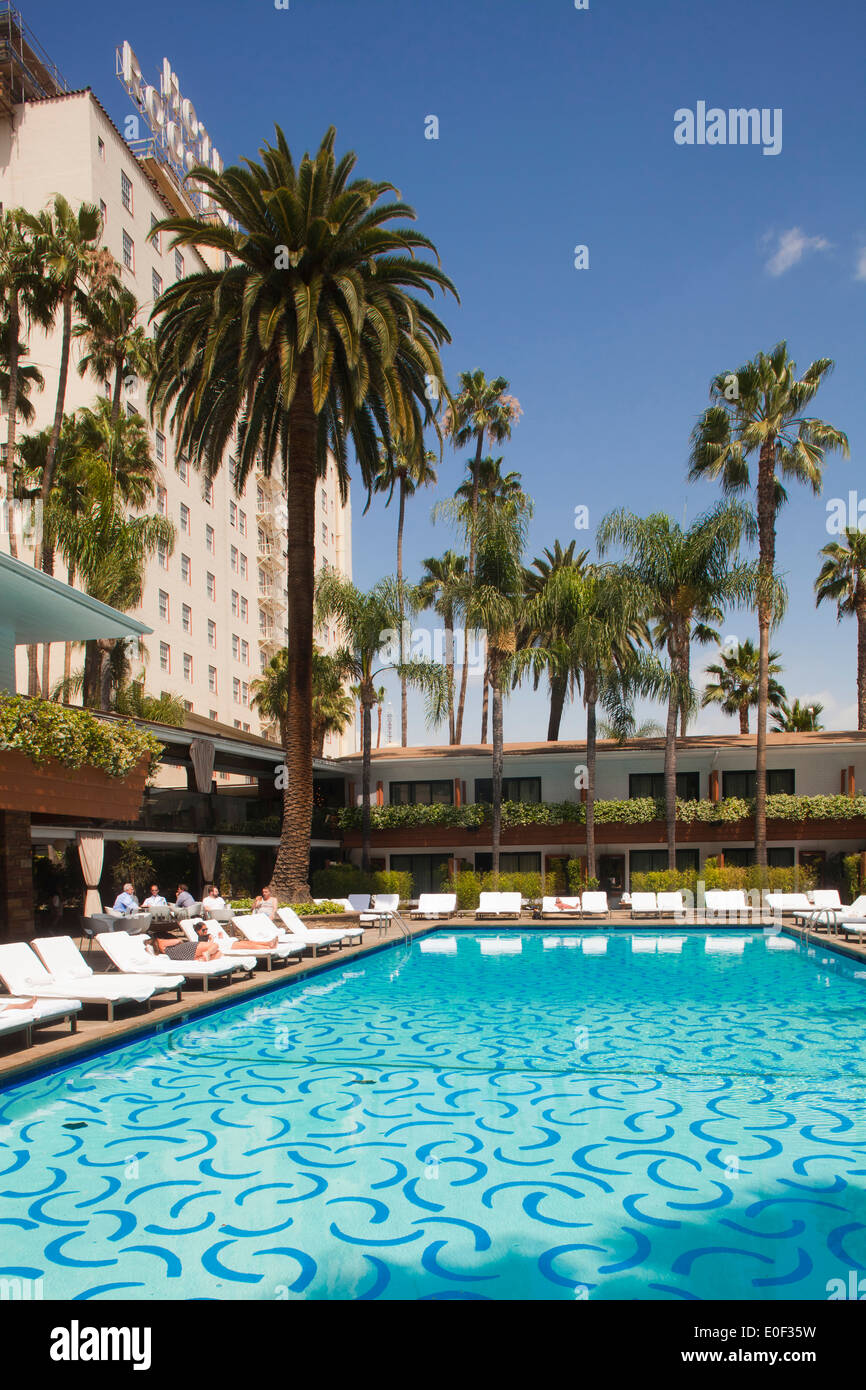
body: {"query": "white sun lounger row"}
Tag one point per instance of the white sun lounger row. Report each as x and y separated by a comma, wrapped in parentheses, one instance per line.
(40, 1014)
(499, 905)
(590, 904)
(60, 972)
(432, 905)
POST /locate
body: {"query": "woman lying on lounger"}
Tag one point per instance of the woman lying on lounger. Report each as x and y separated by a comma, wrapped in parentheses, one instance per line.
(203, 949)
(17, 1003)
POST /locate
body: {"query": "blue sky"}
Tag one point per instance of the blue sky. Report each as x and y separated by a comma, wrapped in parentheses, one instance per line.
(556, 129)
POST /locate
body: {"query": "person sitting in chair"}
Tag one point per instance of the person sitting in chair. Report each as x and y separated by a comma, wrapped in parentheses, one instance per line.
(267, 904)
(214, 902)
(126, 902)
(156, 899)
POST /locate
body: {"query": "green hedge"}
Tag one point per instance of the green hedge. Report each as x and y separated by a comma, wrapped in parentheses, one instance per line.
(74, 737)
(635, 811)
(342, 879)
(796, 879)
(244, 905)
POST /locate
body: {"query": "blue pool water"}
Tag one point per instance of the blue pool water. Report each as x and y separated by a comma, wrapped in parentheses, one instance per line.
(598, 1115)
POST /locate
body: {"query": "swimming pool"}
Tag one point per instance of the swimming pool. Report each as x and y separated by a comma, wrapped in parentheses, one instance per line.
(545, 1115)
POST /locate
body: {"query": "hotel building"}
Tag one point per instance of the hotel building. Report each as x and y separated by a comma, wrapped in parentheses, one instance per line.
(217, 604)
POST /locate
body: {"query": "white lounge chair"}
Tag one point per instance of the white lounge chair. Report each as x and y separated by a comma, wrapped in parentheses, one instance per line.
(671, 904)
(132, 955)
(726, 903)
(594, 904)
(296, 931)
(644, 905)
(827, 898)
(824, 901)
(787, 904)
(61, 956)
(570, 908)
(257, 929)
(42, 1013)
(852, 926)
(22, 972)
(499, 905)
(359, 902)
(436, 905)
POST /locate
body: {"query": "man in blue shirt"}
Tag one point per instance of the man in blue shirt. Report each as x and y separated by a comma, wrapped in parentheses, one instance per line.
(126, 901)
(184, 897)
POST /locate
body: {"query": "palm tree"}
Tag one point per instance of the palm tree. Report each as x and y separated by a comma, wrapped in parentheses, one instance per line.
(443, 588)
(311, 336)
(366, 619)
(735, 686)
(759, 409)
(681, 574)
(25, 300)
(380, 701)
(407, 471)
(843, 579)
(480, 410)
(594, 622)
(560, 674)
(115, 346)
(797, 718)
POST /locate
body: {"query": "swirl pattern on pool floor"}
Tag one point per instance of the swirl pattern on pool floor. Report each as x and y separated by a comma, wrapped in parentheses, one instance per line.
(599, 1115)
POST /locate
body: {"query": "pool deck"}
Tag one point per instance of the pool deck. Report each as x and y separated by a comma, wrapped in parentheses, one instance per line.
(56, 1046)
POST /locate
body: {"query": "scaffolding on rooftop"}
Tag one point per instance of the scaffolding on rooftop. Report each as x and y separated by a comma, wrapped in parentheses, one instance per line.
(26, 71)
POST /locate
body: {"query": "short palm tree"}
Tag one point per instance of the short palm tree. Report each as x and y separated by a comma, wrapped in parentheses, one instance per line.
(367, 620)
(480, 410)
(843, 580)
(310, 336)
(681, 574)
(443, 587)
(760, 410)
(407, 472)
(797, 718)
(735, 683)
(333, 707)
(561, 676)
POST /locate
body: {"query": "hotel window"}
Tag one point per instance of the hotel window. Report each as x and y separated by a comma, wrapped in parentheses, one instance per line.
(213, 714)
(211, 632)
(128, 251)
(160, 446)
(126, 191)
(245, 652)
(212, 679)
(103, 211)
(780, 781)
(262, 540)
(653, 784)
(236, 690)
(164, 656)
(781, 858)
(207, 491)
(244, 567)
(234, 555)
(653, 861)
(187, 666)
(156, 283)
(162, 554)
(211, 585)
(100, 147)
(209, 539)
(161, 499)
(183, 470)
(242, 523)
(245, 609)
(738, 858)
(245, 693)
(233, 515)
(260, 500)
(235, 603)
(185, 569)
(518, 863)
(164, 609)
(513, 789)
(227, 261)
(184, 517)
(324, 534)
(187, 704)
(130, 410)
(186, 618)
(233, 471)
(236, 646)
(178, 265)
(156, 238)
(422, 793)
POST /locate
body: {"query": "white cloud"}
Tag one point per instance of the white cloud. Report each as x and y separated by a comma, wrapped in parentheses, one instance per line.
(861, 264)
(791, 247)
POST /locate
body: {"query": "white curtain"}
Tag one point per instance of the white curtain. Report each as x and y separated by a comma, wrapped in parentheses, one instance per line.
(207, 855)
(90, 851)
(201, 752)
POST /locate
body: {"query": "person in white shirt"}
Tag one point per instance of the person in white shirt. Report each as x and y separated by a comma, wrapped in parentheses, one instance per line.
(156, 899)
(214, 902)
(267, 903)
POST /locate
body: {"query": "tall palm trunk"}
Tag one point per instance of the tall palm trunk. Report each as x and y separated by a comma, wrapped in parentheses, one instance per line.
(12, 355)
(674, 697)
(476, 487)
(498, 759)
(366, 778)
(379, 724)
(744, 719)
(47, 556)
(591, 699)
(449, 666)
(558, 692)
(766, 565)
(404, 707)
(684, 714)
(291, 870)
(485, 701)
(861, 659)
(116, 397)
(67, 649)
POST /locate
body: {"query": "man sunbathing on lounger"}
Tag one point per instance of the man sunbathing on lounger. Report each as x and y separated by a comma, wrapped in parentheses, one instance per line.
(563, 907)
